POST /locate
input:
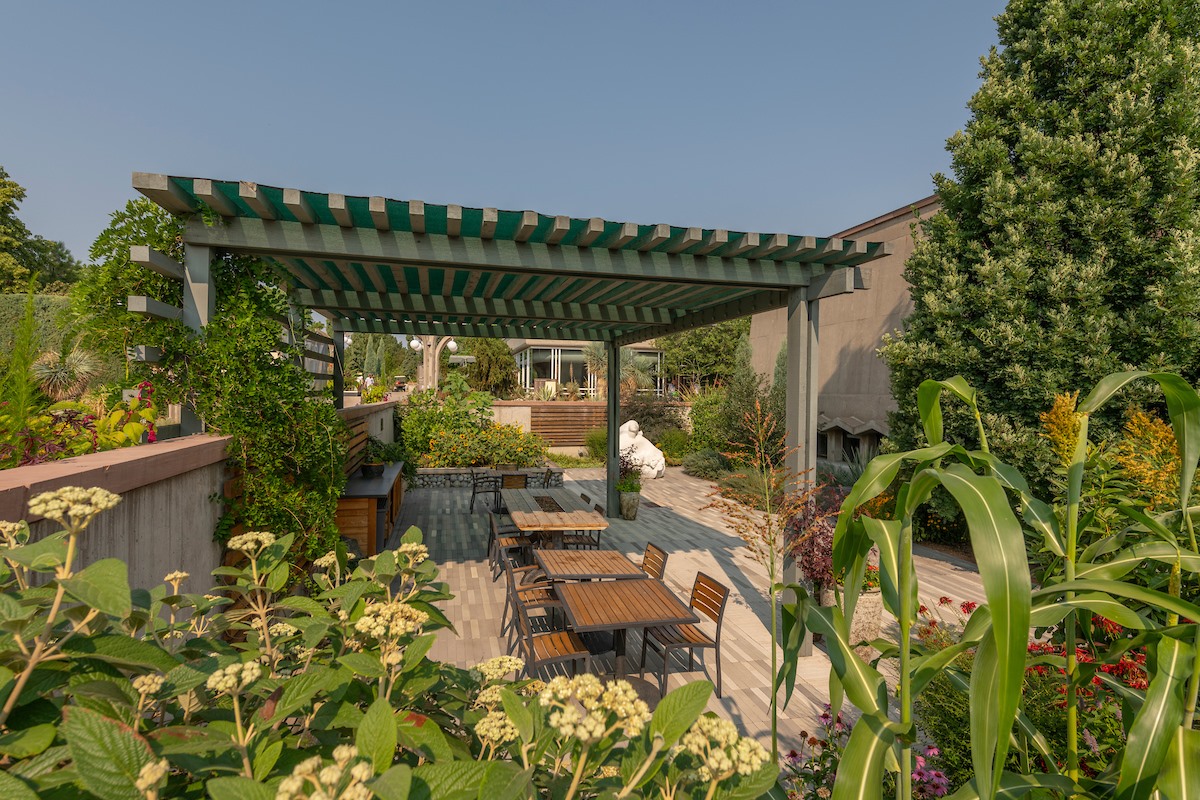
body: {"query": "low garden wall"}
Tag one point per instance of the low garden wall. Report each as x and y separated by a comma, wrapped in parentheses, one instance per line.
(454, 478)
(166, 517)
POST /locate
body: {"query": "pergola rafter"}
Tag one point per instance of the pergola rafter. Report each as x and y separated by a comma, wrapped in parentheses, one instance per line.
(378, 265)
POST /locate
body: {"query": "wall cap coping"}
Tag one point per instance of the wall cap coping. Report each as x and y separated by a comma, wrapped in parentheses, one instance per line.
(465, 470)
(354, 412)
(117, 471)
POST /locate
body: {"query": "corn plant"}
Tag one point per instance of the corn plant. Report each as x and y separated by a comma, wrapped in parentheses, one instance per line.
(1162, 751)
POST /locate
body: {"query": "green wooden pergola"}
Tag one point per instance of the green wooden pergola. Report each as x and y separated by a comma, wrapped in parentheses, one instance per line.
(376, 265)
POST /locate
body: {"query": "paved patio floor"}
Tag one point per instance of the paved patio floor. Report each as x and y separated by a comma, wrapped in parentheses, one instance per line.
(696, 539)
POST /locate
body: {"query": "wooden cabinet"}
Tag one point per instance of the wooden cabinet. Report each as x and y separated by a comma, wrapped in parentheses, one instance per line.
(369, 507)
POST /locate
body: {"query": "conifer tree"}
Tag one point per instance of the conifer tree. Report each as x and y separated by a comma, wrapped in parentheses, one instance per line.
(1068, 245)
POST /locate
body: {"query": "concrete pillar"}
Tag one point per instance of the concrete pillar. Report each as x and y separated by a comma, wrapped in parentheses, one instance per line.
(802, 395)
(612, 502)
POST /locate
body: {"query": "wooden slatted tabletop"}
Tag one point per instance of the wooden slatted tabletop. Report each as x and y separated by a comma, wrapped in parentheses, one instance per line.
(528, 515)
(582, 565)
(618, 605)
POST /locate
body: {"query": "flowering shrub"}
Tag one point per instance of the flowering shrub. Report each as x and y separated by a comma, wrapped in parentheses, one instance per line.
(491, 444)
(249, 692)
(813, 768)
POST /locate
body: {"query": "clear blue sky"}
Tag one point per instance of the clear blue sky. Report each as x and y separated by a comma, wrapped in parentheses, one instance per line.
(798, 117)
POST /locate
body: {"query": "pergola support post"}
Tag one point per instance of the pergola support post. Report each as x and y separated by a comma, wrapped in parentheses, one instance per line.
(612, 502)
(801, 416)
(339, 364)
(199, 307)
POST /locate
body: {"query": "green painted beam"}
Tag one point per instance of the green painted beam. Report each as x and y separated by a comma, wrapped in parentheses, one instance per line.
(762, 301)
(483, 307)
(331, 242)
(466, 330)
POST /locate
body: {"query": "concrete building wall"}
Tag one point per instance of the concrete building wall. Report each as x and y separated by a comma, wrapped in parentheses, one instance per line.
(853, 379)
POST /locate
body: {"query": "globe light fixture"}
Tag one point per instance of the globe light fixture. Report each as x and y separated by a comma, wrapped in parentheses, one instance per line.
(452, 346)
(416, 345)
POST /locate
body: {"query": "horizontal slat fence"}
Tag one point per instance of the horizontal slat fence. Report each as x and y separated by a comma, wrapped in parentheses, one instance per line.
(564, 423)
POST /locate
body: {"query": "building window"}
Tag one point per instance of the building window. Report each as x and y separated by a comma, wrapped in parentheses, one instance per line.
(851, 446)
(822, 445)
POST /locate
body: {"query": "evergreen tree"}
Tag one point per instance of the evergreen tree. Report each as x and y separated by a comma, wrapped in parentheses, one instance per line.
(23, 255)
(495, 368)
(1068, 245)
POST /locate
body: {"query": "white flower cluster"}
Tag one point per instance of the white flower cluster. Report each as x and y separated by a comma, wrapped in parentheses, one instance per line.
(326, 561)
(390, 620)
(148, 684)
(72, 506)
(489, 697)
(234, 677)
(151, 776)
(178, 576)
(252, 542)
(605, 707)
(416, 553)
(11, 533)
(340, 780)
(283, 629)
(496, 668)
(716, 742)
(496, 728)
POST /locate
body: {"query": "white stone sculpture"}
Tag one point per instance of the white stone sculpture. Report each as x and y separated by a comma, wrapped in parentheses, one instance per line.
(645, 454)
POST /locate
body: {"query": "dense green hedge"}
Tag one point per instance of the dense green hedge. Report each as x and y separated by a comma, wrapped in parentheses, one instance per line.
(48, 310)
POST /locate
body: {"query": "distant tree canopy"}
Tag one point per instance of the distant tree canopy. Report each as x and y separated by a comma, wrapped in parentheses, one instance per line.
(703, 356)
(23, 254)
(495, 368)
(1068, 245)
(380, 355)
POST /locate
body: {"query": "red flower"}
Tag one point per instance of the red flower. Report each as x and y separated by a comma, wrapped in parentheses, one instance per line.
(944, 601)
(968, 607)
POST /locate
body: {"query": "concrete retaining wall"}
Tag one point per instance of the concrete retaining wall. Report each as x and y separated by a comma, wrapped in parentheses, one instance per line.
(166, 517)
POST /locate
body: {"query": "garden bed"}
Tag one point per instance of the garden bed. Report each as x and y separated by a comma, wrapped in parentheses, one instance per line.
(455, 477)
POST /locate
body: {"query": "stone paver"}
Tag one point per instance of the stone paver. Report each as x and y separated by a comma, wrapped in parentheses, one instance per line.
(696, 539)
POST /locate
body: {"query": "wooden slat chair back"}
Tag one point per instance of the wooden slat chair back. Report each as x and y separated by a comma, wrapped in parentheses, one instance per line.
(654, 561)
(543, 649)
(709, 597)
(525, 586)
(514, 480)
(504, 542)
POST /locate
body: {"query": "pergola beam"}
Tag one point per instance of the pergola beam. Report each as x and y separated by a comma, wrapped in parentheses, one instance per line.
(467, 329)
(213, 198)
(296, 203)
(482, 307)
(762, 301)
(340, 211)
(162, 190)
(259, 203)
(333, 243)
(152, 309)
(153, 260)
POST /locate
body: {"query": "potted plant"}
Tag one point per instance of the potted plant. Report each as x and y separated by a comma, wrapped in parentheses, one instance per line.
(629, 485)
(372, 466)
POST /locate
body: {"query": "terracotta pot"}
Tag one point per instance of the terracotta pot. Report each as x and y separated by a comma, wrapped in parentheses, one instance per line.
(629, 504)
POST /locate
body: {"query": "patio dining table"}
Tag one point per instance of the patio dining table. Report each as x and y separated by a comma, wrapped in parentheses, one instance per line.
(551, 512)
(618, 606)
(587, 565)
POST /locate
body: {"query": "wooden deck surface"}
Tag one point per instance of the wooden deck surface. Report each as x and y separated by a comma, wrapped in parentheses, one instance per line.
(696, 539)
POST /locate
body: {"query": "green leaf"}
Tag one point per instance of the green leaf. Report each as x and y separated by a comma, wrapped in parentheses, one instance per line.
(860, 771)
(366, 664)
(395, 784)
(519, 713)
(12, 788)
(107, 754)
(505, 780)
(238, 788)
(412, 536)
(863, 683)
(266, 754)
(1153, 729)
(104, 586)
(421, 734)
(1180, 776)
(792, 634)
(376, 735)
(1097, 603)
(43, 555)
(414, 654)
(455, 780)
(929, 403)
(123, 651)
(1118, 589)
(677, 711)
(754, 785)
(999, 547)
(303, 604)
(28, 742)
(299, 691)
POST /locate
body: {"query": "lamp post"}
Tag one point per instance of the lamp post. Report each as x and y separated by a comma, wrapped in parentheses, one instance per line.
(431, 347)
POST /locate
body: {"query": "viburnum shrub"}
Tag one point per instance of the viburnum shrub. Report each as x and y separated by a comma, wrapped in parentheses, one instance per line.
(246, 691)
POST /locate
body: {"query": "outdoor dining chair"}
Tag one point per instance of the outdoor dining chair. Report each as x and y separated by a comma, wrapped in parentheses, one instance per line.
(550, 647)
(504, 541)
(583, 540)
(514, 480)
(654, 561)
(484, 484)
(708, 598)
(526, 586)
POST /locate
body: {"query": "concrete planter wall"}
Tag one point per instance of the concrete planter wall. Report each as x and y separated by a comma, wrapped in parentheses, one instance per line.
(429, 478)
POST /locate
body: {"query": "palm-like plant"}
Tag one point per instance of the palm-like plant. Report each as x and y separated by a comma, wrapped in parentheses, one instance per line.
(65, 375)
(637, 372)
